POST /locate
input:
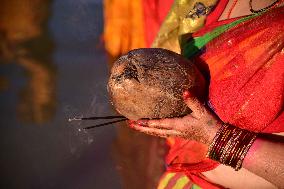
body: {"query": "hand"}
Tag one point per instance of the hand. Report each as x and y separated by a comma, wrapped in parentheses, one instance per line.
(201, 125)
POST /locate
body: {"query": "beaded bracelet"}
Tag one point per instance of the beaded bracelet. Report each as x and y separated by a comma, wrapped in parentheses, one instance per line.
(230, 145)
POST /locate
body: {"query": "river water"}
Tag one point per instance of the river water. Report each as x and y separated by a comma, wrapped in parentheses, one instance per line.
(52, 67)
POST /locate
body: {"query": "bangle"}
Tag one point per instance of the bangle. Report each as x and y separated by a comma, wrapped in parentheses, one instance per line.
(230, 145)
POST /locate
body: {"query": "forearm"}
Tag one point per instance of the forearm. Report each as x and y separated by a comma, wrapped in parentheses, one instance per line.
(266, 159)
(261, 154)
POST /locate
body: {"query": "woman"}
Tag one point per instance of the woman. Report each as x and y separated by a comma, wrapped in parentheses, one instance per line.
(245, 71)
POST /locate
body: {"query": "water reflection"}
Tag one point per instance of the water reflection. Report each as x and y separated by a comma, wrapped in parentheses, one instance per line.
(25, 41)
(139, 158)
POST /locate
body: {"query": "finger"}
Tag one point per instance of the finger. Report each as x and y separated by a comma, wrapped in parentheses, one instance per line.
(168, 123)
(156, 132)
(198, 109)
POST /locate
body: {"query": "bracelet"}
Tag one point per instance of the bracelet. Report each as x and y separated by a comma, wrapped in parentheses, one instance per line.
(230, 145)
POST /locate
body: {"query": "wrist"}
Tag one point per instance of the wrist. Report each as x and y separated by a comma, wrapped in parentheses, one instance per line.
(230, 145)
(213, 128)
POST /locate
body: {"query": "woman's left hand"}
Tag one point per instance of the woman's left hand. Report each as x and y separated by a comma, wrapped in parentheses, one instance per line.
(201, 125)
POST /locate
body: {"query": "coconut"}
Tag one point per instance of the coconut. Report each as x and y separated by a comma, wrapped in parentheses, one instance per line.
(149, 82)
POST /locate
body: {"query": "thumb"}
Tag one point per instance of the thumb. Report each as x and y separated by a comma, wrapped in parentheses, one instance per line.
(197, 108)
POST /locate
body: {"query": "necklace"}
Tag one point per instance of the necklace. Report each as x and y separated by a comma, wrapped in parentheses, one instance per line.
(263, 9)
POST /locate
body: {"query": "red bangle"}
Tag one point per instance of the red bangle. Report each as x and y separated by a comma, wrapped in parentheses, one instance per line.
(230, 145)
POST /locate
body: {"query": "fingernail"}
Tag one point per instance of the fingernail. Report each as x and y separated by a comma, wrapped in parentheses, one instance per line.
(186, 95)
(142, 122)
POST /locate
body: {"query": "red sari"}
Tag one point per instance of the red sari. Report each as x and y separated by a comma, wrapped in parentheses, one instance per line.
(246, 70)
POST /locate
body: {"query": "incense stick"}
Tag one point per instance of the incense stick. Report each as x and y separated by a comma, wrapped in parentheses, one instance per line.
(94, 118)
(103, 124)
(98, 118)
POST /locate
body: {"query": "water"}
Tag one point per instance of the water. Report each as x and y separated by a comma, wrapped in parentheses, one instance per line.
(62, 72)
(53, 67)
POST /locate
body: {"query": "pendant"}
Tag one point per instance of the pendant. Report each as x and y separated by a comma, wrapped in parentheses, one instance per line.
(198, 10)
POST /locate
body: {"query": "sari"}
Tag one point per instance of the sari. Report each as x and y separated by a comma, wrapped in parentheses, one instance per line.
(243, 62)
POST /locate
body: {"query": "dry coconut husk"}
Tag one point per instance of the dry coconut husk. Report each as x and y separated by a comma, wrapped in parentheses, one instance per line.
(149, 82)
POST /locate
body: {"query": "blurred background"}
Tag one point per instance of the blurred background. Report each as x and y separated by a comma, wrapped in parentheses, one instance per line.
(55, 57)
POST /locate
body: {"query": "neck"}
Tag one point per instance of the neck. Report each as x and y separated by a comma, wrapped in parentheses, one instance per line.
(238, 8)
